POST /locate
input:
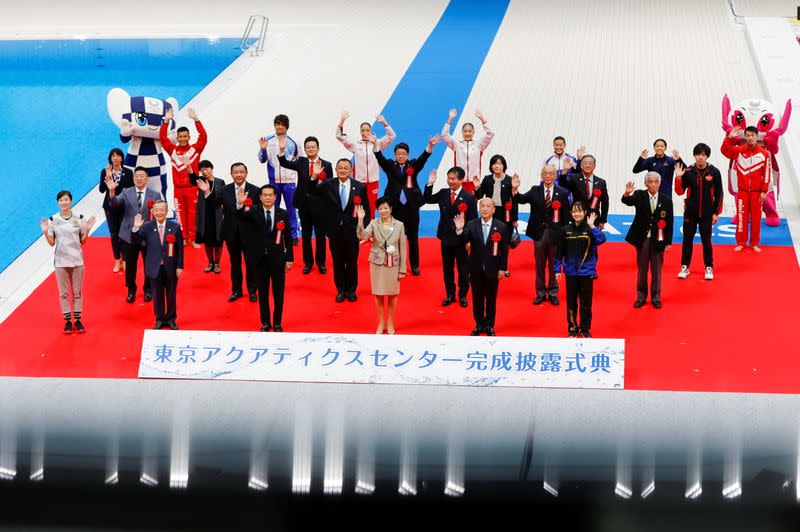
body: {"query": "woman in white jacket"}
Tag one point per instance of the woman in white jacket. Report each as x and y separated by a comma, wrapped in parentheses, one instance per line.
(468, 151)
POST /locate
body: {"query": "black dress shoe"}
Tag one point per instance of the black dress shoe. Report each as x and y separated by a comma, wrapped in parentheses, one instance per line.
(351, 297)
(295, 242)
(233, 297)
(538, 300)
(340, 297)
(448, 300)
(638, 303)
(656, 304)
(172, 325)
(217, 269)
(553, 300)
(253, 298)
(158, 325)
(131, 297)
(586, 334)
(148, 297)
(462, 301)
(322, 269)
(476, 331)
(489, 331)
(266, 328)
(306, 269)
(573, 333)
(277, 328)
(209, 268)
(415, 270)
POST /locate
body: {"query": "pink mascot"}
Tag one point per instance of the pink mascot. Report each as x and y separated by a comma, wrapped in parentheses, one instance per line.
(771, 125)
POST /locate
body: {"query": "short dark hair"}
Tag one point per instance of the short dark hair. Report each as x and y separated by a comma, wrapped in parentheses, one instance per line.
(205, 163)
(751, 129)
(496, 158)
(365, 124)
(559, 138)
(156, 202)
(62, 193)
(579, 205)
(140, 169)
(383, 199)
(311, 139)
(182, 129)
(343, 160)
(587, 156)
(467, 124)
(702, 147)
(234, 165)
(659, 140)
(282, 120)
(116, 151)
(268, 186)
(458, 171)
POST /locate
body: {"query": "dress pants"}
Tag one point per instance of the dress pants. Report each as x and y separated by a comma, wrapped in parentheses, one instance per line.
(344, 252)
(484, 298)
(114, 221)
(410, 219)
(235, 252)
(308, 221)
(647, 257)
(690, 224)
(455, 255)
(164, 291)
(579, 298)
(544, 254)
(131, 253)
(270, 272)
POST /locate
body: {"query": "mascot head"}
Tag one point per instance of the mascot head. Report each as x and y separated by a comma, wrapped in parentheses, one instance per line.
(144, 114)
(761, 114)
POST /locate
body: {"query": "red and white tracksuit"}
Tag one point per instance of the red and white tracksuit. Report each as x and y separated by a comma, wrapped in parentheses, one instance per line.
(467, 154)
(366, 168)
(185, 159)
(753, 167)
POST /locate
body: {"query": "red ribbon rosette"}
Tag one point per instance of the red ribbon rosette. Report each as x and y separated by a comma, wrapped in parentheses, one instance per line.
(409, 175)
(556, 207)
(661, 225)
(508, 206)
(248, 202)
(322, 175)
(280, 226)
(595, 198)
(170, 238)
(356, 203)
(150, 204)
(495, 237)
(462, 207)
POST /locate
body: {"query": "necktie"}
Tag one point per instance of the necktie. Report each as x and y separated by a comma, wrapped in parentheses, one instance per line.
(402, 192)
(310, 168)
(588, 188)
(139, 198)
(269, 220)
(652, 204)
(485, 232)
(343, 195)
(452, 197)
(547, 197)
(161, 233)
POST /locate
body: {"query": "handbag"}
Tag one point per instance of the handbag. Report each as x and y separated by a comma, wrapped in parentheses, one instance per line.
(515, 239)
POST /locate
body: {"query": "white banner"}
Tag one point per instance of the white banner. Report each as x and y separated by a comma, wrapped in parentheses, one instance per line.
(385, 359)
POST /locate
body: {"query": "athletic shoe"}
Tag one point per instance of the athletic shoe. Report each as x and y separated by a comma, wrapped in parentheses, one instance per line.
(79, 328)
(67, 327)
(757, 249)
(709, 274)
(684, 273)
(738, 248)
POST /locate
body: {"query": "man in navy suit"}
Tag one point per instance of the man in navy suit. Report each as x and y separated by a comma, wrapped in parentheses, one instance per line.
(487, 263)
(233, 230)
(132, 201)
(267, 253)
(339, 198)
(549, 213)
(163, 263)
(452, 201)
(309, 205)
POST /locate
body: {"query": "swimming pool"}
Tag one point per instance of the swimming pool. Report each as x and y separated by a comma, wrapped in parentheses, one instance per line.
(56, 131)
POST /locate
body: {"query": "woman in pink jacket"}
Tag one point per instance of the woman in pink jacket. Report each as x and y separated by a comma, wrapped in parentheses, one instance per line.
(468, 151)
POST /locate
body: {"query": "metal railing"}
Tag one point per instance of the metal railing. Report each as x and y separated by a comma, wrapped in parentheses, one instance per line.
(257, 47)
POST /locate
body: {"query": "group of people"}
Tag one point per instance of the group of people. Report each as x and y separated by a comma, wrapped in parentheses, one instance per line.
(336, 203)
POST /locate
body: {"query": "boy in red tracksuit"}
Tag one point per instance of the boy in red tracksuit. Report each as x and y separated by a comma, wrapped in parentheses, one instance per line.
(753, 170)
(185, 159)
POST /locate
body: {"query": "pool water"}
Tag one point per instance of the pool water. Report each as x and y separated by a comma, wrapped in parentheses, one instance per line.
(56, 132)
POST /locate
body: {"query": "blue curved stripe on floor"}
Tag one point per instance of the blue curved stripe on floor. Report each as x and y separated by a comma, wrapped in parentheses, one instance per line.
(441, 76)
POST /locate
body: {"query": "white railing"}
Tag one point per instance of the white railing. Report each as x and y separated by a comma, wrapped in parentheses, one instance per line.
(257, 47)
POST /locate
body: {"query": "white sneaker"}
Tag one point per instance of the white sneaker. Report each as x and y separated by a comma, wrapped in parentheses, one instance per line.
(709, 274)
(757, 249)
(684, 273)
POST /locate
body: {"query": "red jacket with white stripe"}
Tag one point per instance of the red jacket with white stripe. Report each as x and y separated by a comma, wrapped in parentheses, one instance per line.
(752, 165)
(184, 158)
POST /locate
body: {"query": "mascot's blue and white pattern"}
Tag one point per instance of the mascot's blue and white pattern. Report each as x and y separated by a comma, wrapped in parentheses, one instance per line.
(139, 119)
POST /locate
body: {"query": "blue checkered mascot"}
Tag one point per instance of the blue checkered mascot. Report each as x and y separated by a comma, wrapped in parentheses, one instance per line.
(139, 119)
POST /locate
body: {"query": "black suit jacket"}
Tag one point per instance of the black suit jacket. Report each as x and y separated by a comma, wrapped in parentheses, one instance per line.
(157, 252)
(260, 240)
(487, 190)
(302, 196)
(335, 220)
(644, 220)
(125, 181)
(397, 179)
(231, 224)
(446, 232)
(541, 216)
(577, 186)
(481, 258)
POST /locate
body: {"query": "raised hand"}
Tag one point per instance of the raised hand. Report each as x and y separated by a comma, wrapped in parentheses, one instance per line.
(193, 114)
(111, 185)
(108, 172)
(591, 218)
(581, 152)
(203, 185)
(262, 142)
(44, 224)
(125, 127)
(169, 115)
(629, 186)
(644, 154)
(679, 171)
(344, 116)
(458, 220)
(476, 181)
(361, 213)
(381, 119)
(515, 182)
(90, 223)
(372, 138)
(242, 196)
(432, 178)
(137, 221)
(735, 132)
(434, 140)
(452, 115)
(568, 164)
(676, 154)
(317, 169)
(480, 115)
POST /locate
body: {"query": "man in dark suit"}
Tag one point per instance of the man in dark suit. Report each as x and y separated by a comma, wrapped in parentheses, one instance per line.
(549, 213)
(451, 201)
(132, 201)
(233, 230)
(587, 188)
(339, 198)
(650, 233)
(403, 191)
(163, 263)
(487, 263)
(267, 252)
(309, 205)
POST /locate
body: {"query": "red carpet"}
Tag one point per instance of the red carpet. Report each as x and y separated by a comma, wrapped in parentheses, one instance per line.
(733, 334)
